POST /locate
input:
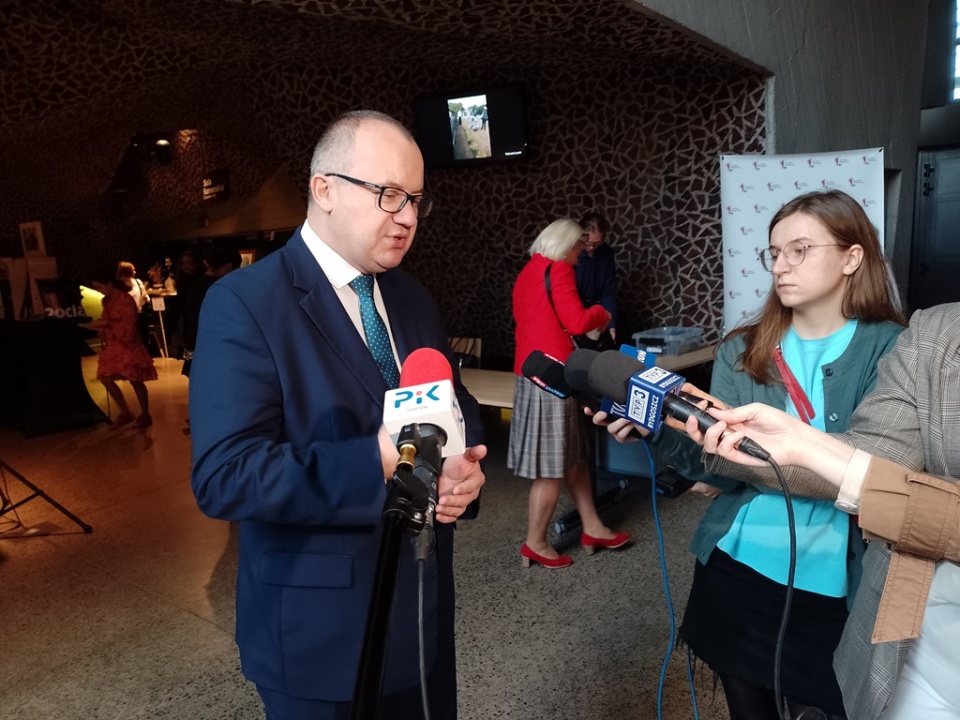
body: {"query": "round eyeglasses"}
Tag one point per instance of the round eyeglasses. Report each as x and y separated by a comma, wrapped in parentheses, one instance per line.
(390, 199)
(793, 252)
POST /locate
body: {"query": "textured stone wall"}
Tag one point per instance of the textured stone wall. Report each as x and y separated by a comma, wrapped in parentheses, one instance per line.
(626, 115)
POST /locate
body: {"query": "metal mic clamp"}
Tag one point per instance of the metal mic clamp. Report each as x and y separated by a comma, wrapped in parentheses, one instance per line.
(417, 474)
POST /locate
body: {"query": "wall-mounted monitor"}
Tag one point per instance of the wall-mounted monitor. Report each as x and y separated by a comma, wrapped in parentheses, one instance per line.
(462, 128)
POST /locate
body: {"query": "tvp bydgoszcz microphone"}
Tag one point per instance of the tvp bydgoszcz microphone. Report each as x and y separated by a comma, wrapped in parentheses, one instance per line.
(576, 375)
(648, 393)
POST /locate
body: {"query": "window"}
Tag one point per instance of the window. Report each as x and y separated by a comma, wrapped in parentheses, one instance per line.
(956, 54)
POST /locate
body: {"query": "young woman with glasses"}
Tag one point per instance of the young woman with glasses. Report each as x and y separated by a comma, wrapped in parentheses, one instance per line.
(812, 350)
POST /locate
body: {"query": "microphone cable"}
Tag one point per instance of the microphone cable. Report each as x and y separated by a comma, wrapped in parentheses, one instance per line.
(421, 563)
(782, 710)
(422, 544)
(661, 546)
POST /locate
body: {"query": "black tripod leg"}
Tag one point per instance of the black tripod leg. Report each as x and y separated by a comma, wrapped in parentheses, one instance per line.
(38, 492)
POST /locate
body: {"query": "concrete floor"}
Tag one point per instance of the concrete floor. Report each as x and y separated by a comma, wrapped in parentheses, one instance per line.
(135, 620)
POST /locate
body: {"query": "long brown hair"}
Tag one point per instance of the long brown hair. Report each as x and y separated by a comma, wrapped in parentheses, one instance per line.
(869, 296)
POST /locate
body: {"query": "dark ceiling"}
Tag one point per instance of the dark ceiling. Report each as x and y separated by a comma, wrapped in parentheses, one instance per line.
(80, 77)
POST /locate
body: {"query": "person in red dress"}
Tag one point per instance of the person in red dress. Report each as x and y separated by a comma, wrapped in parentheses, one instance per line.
(124, 356)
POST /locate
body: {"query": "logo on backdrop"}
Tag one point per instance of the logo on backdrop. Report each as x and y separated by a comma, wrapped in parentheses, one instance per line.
(754, 187)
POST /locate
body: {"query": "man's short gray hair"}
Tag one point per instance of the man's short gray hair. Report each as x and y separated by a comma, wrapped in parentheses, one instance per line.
(333, 151)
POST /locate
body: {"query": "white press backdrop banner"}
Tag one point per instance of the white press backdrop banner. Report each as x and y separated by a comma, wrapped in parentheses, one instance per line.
(754, 187)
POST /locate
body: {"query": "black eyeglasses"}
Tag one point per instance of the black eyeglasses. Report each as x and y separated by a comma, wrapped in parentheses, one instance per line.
(794, 252)
(390, 199)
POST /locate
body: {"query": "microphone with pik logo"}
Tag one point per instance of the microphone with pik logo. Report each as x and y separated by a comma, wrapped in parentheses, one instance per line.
(423, 417)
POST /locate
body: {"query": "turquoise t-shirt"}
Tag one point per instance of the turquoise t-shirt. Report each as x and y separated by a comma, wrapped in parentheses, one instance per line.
(759, 537)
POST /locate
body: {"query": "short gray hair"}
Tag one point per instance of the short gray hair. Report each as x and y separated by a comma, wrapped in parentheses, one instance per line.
(557, 239)
(332, 152)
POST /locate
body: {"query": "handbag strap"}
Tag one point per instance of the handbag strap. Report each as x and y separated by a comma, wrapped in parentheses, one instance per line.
(546, 284)
(796, 393)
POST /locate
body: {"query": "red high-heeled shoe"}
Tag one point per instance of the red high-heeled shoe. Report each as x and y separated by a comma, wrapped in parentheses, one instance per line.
(527, 555)
(591, 544)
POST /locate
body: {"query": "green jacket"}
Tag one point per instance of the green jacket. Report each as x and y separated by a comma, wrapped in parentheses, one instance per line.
(846, 381)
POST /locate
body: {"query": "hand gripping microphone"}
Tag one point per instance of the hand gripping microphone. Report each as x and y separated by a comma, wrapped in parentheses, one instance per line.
(650, 393)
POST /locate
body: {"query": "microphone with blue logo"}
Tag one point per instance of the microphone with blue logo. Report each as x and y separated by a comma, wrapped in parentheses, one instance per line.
(649, 393)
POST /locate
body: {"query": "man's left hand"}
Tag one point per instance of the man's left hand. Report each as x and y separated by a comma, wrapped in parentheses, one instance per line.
(459, 483)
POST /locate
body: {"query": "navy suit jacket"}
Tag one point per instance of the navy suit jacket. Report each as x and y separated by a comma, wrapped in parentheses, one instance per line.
(285, 404)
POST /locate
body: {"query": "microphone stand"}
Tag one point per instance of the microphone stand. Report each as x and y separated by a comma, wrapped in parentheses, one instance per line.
(408, 508)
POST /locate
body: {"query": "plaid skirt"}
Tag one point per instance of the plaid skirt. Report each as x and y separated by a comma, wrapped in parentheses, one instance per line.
(546, 433)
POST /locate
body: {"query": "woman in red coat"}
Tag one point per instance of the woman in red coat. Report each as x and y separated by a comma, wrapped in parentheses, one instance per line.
(547, 440)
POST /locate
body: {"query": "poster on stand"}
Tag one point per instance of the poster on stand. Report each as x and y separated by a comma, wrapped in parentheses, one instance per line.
(31, 235)
(754, 187)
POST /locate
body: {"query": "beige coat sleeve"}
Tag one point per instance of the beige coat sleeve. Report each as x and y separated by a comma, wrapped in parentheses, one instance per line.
(915, 512)
(918, 515)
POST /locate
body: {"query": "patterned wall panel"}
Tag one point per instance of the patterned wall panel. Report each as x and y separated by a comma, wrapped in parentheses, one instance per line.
(625, 114)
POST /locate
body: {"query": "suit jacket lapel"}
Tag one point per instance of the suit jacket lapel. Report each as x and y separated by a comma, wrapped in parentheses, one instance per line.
(323, 307)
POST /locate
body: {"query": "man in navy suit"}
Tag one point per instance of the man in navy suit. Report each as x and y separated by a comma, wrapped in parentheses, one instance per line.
(286, 406)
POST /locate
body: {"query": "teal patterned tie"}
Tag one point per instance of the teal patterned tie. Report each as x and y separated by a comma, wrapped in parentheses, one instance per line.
(378, 340)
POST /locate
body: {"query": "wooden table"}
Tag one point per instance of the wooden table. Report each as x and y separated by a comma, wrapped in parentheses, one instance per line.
(495, 387)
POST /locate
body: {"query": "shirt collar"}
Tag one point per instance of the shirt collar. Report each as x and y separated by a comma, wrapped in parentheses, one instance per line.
(338, 271)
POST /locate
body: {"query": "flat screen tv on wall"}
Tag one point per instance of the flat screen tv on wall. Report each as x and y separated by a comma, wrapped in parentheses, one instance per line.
(472, 127)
